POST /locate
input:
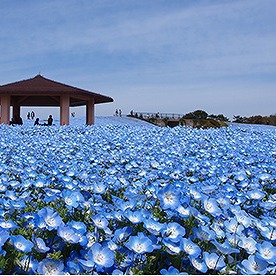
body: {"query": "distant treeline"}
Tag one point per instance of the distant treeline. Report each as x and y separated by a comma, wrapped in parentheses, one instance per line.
(262, 120)
(201, 116)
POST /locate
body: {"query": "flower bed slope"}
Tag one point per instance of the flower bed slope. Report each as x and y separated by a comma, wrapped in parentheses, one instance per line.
(120, 199)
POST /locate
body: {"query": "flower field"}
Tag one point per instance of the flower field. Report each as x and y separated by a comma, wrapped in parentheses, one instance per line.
(122, 199)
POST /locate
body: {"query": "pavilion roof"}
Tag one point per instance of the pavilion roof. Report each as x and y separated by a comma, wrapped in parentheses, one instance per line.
(40, 85)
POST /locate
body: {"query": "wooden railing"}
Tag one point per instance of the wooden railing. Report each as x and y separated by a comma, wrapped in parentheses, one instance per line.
(147, 115)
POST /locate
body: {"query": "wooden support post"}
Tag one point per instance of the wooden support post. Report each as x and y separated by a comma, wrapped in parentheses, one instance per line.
(64, 109)
(90, 111)
(15, 110)
(5, 109)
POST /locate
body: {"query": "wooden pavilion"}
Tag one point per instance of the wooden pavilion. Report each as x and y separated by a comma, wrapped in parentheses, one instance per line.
(39, 91)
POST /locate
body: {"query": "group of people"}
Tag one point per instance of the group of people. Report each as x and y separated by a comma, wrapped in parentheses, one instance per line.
(118, 112)
(17, 120)
(30, 115)
(49, 122)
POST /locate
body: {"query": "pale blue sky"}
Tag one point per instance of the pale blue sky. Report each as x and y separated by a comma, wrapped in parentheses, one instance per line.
(167, 56)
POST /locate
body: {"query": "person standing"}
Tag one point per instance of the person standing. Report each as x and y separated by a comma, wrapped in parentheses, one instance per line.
(32, 115)
(50, 120)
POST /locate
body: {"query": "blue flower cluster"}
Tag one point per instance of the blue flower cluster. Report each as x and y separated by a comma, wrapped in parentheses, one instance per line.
(120, 199)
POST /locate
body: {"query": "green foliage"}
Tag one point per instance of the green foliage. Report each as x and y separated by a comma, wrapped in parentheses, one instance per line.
(200, 114)
(56, 255)
(257, 119)
(219, 117)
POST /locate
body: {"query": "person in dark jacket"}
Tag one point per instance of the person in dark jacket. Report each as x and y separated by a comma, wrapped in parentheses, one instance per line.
(50, 120)
(36, 123)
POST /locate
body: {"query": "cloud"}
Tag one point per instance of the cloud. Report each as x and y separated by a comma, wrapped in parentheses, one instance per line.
(150, 46)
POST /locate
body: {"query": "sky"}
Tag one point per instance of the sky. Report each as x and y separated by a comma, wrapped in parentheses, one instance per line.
(170, 56)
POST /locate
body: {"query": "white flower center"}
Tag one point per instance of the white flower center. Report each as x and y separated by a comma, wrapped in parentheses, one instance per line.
(168, 198)
(212, 264)
(68, 200)
(50, 269)
(50, 221)
(138, 247)
(188, 248)
(267, 253)
(6, 224)
(255, 266)
(209, 207)
(19, 245)
(100, 258)
(172, 232)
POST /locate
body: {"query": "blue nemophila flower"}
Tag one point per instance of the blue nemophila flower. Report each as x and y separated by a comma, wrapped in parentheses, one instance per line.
(124, 205)
(255, 194)
(251, 232)
(139, 244)
(233, 226)
(154, 226)
(80, 230)
(225, 248)
(74, 268)
(267, 252)
(68, 234)
(249, 244)
(254, 265)
(92, 238)
(50, 267)
(4, 235)
(51, 218)
(171, 271)
(233, 239)
(77, 226)
(195, 194)
(269, 233)
(28, 264)
(121, 234)
(100, 221)
(173, 230)
(211, 206)
(102, 256)
(218, 230)
(99, 187)
(70, 199)
(173, 248)
(243, 218)
(40, 245)
(204, 233)
(190, 248)
(21, 244)
(169, 197)
(8, 225)
(98, 256)
(184, 212)
(213, 261)
(134, 216)
(117, 272)
(198, 264)
(112, 245)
